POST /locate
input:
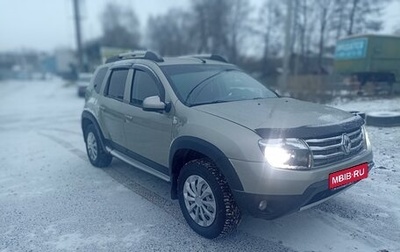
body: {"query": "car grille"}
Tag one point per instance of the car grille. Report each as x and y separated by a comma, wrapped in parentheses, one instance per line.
(329, 150)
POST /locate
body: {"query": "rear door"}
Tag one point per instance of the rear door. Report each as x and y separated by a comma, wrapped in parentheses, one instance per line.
(148, 134)
(110, 109)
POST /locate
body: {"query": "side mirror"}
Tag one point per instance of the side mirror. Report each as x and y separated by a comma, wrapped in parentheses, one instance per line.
(153, 103)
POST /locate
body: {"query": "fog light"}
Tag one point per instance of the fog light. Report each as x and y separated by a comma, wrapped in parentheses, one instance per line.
(262, 205)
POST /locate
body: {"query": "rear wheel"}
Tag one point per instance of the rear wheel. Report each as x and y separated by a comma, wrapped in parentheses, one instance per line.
(206, 200)
(96, 154)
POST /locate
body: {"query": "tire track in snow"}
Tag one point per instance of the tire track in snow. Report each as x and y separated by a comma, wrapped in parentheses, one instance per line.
(154, 198)
(66, 145)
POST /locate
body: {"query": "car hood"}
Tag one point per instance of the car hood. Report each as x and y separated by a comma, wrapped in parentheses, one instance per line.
(282, 115)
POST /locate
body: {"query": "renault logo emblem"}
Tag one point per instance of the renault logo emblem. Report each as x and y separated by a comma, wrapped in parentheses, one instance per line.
(346, 144)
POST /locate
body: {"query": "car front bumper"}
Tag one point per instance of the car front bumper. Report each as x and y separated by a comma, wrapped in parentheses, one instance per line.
(288, 192)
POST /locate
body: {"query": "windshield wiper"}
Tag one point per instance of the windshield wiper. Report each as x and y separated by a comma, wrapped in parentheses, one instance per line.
(206, 79)
(211, 102)
(221, 101)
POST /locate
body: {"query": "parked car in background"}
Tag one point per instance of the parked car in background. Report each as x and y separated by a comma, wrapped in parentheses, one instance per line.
(82, 83)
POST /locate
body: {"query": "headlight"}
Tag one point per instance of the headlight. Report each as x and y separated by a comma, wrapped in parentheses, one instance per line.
(288, 153)
(367, 143)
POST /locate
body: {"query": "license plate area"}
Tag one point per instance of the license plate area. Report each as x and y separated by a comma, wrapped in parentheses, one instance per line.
(348, 176)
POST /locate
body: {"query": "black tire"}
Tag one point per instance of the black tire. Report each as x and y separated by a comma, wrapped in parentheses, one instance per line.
(102, 158)
(227, 213)
(383, 119)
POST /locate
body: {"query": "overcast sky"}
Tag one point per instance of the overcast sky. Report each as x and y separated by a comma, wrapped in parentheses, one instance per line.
(48, 24)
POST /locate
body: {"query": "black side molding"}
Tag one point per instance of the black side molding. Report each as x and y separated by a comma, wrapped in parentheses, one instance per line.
(140, 158)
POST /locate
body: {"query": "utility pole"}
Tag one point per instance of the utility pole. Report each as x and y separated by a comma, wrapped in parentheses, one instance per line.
(288, 39)
(77, 18)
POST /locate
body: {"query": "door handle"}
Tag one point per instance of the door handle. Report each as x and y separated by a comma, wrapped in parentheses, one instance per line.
(102, 108)
(128, 117)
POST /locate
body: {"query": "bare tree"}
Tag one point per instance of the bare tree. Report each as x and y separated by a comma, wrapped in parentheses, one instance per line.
(325, 8)
(364, 15)
(339, 19)
(271, 16)
(308, 20)
(170, 33)
(120, 27)
(238, 21)
(352, 14)
(211, 22)
(220, 25)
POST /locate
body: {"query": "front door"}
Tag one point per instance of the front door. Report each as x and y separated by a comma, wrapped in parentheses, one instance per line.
(148, 134)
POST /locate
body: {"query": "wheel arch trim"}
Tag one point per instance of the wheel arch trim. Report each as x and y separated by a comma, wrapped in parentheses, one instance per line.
(86, 115)
(207, 149)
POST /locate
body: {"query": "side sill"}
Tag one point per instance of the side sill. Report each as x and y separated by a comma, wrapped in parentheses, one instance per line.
(138, 164)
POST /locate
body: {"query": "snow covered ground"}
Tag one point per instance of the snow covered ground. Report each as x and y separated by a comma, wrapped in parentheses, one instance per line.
(52, 199)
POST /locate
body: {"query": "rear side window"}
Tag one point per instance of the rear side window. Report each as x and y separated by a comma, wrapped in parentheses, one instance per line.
(116, 84)
(98, 80)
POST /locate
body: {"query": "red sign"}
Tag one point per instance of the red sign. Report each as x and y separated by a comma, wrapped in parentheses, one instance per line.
(347, 176)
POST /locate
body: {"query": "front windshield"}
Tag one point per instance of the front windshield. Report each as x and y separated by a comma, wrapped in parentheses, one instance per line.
(205, 84)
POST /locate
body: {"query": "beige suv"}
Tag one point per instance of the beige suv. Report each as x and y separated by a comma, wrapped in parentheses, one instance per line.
(227, 144)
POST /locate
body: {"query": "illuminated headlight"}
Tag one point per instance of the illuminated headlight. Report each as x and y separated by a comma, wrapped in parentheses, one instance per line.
(288, 153)
(367, 143)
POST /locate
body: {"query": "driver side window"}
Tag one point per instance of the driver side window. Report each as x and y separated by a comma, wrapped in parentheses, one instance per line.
(143, 86)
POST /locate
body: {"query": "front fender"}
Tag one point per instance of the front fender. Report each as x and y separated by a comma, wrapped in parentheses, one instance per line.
(207, 149)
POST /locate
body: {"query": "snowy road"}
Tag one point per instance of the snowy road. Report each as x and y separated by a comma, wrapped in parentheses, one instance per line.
(52, 199)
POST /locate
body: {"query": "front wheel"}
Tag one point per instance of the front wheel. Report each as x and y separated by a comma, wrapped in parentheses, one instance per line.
(206, 200)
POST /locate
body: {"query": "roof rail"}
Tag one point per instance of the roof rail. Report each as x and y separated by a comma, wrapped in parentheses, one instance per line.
(136, 55)
(215, 57)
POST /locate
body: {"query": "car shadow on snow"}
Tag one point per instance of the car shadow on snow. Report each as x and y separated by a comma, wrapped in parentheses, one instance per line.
(321, 222)
(157, 192)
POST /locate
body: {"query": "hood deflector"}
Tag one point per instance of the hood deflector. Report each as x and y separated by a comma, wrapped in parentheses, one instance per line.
(319, 131)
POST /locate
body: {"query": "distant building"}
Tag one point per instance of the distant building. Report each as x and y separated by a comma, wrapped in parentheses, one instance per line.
(66, 64)
(19, 65)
